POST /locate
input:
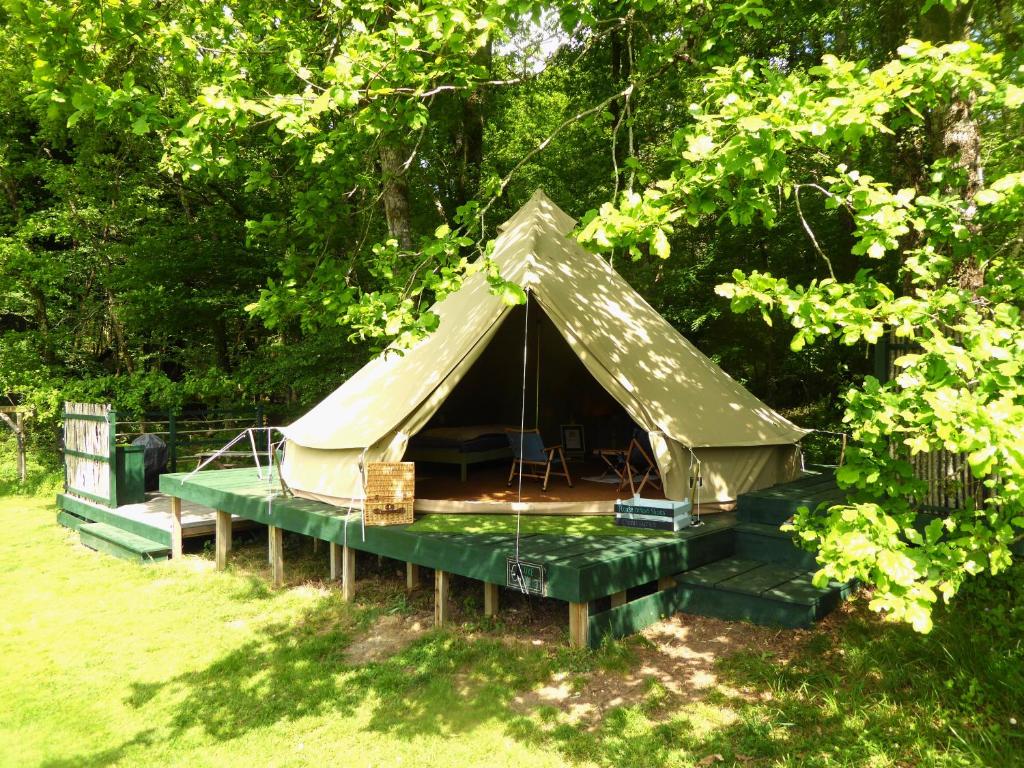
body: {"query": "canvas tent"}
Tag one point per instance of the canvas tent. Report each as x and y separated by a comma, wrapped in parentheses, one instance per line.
(666, 385)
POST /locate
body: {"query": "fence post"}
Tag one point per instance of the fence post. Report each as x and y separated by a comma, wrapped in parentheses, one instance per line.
(172, 440)
(882, 371)
(19, 431)
(64, 442)
(265, 435)
(112, 456)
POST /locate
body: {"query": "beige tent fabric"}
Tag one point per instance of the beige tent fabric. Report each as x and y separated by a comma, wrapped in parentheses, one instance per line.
(728, 472)
(664, 383)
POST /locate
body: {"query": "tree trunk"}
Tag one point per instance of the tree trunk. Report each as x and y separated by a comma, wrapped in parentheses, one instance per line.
(121, 354)
(619, 72)
(42, 323)
(954, 130)
(467, 140)
(220, 339)
(395, 194)
(472, 146)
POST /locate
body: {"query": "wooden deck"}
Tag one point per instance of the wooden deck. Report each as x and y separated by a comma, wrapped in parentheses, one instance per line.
(737, 565)
(487, 491)
(594, 574)
(151, 519)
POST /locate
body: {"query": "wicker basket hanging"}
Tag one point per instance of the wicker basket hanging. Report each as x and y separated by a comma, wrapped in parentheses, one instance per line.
(390, 493)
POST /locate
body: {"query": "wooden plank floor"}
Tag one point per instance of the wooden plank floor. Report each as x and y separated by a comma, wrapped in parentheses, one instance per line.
(578, 569)
(154, 513)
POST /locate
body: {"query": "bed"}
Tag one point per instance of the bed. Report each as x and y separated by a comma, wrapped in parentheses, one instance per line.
(460, 445)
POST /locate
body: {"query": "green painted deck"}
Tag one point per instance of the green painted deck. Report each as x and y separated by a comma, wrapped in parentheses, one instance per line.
(577, 569)
(733, 566)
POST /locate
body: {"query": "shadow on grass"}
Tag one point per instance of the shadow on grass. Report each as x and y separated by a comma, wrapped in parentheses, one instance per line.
(857, 693)
(441, 683)
(111, 756)
(864, 693)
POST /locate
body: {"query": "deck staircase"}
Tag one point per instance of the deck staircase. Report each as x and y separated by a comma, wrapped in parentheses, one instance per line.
(114, 540)
(767, 579)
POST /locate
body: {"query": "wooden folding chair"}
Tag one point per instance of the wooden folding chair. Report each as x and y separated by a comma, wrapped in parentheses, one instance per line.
(615, 460)
(634, 465)
(529, 452)
(640, 466)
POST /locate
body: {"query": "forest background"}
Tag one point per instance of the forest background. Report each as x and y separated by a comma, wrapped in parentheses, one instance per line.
(233, 204)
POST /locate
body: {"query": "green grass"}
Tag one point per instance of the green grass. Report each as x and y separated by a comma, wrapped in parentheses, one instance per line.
(567, 525)
(105, 662)
(44, 475)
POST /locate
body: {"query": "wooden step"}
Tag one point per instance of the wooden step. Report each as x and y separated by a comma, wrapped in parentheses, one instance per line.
(776, 504)
(68, 520)
(775, 510)
(768, 544)
(128, 546)
(764, 593)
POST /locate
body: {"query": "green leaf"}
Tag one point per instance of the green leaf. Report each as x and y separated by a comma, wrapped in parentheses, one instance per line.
(512, 294)
(659, 244)
(987, 197)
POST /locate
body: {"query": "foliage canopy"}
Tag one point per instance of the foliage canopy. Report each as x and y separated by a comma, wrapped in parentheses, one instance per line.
(202, 201)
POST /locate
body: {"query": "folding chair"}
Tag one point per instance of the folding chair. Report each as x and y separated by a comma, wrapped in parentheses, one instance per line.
(634, 465)
(640, 463)
(615, 460)
(528, 451)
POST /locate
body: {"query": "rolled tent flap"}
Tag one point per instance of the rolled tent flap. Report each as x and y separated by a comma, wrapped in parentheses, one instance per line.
(334, 475)
(728, 472)
(664, 383)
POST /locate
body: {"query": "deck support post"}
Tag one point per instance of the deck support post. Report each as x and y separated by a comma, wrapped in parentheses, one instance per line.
(618, 598)
(175, 527)
(442, 585)
(348, 574)
(316, 545)
(579, 625)
(490, 599)
(335, 551)
(412, 577)
(276, 536)
(222, 538)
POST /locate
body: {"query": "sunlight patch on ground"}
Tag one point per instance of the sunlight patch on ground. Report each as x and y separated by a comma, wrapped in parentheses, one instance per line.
(388, 635)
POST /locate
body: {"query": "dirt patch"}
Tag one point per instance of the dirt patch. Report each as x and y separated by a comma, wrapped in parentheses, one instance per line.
(678, 657)
(388, 635)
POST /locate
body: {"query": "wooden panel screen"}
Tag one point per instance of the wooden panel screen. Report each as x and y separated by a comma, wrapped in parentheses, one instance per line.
(89, 432)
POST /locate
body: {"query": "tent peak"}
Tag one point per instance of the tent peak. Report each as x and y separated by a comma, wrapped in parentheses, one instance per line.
(540, 209)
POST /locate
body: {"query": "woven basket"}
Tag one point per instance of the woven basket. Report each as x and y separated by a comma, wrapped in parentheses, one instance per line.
(390, 493)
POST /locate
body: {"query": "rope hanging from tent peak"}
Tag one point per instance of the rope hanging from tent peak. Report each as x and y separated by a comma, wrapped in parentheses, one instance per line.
(517, 568)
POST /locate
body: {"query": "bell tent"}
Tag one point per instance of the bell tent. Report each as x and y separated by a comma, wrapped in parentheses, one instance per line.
(600, 339)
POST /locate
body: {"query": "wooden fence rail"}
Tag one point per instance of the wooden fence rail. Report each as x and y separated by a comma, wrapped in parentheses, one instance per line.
(190, 436)
(93, 431)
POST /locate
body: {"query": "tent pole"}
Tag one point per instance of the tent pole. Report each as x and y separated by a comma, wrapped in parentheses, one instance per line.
(536, 386)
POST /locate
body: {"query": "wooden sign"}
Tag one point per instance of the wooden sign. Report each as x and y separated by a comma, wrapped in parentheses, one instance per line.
(527, 578)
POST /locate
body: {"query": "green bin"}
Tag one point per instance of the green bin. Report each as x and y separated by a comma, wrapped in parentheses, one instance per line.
(131, 474)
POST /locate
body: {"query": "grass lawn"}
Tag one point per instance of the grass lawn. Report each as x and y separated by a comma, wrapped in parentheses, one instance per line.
(103, 662)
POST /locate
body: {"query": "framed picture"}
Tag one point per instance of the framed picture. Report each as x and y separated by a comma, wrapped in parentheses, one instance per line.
(574, 441)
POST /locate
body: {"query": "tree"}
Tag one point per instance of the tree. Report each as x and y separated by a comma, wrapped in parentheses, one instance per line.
(203, 200)
(939, 267)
